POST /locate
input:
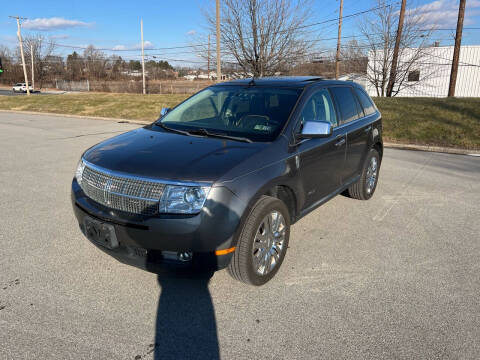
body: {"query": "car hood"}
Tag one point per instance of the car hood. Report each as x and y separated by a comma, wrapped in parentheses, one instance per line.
(170, 156)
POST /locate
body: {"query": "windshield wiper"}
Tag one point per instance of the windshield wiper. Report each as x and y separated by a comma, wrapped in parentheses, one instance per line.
(205, 132)
(163, 126)
(202, 132)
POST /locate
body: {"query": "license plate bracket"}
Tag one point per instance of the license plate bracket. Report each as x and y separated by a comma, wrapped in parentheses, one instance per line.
(100, 233)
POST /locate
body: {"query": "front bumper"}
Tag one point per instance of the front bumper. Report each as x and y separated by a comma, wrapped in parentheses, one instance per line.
(142, 240)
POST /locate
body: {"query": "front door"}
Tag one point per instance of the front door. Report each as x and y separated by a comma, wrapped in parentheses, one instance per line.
(321, 160)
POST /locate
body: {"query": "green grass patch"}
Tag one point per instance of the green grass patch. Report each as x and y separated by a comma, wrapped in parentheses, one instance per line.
(451, 122)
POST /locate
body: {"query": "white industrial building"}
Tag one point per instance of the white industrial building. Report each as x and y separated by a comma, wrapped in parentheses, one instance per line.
(429, 76)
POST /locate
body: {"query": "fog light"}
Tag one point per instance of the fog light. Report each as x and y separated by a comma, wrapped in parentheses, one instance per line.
(184, 256)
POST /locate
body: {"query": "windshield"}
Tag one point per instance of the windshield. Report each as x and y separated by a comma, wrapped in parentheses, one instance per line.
(255, 113)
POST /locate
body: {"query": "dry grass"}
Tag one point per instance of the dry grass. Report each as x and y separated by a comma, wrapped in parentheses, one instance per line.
(425, 121)
(123, 106)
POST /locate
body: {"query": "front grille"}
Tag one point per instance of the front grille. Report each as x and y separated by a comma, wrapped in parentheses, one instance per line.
(129, 194)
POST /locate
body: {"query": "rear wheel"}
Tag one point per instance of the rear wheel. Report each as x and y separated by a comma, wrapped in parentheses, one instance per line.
(364, 188)
(262, 243)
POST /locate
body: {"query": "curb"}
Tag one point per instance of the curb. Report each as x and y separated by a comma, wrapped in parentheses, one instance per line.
(386, 144)
(141, 122)
(428, 148)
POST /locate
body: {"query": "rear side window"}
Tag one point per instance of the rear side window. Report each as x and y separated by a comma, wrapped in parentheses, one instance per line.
(347, 104)
(366, 102)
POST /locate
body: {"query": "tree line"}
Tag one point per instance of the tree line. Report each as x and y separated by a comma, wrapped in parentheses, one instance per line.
(258, 38)
(91, 64)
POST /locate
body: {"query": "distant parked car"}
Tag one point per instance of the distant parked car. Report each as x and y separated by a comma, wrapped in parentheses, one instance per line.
(217, 181)
(21, 87)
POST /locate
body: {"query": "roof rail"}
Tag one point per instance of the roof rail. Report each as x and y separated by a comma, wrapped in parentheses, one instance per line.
(313, 79)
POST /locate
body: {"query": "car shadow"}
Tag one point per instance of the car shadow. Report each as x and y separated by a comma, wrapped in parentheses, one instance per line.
(185, 327)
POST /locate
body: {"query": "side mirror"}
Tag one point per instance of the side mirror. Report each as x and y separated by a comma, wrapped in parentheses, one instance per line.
(315, 129)
(164, 111)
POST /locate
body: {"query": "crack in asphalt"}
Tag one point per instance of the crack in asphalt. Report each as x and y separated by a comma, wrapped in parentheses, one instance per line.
(92, 134)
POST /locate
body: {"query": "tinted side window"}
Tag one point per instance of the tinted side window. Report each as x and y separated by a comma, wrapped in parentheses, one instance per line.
(320, 108)
(367, 104)
(346, 103)
(359, 107)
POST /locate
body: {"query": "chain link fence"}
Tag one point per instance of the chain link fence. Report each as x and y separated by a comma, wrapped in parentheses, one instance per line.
(67, 85)
(134, 86)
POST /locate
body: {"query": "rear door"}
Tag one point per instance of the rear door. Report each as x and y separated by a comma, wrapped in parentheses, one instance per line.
(357, 128)
(320, 159)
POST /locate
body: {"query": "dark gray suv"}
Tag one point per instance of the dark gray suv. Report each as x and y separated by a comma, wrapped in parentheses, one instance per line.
(218, 180)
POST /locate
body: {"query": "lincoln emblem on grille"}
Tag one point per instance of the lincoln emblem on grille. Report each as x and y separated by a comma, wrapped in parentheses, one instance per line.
(106, 191)
(136, 196)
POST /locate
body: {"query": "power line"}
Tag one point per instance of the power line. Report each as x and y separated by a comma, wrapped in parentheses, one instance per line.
(206, 44)
(197, 45)
(460, 62)
(193, 47)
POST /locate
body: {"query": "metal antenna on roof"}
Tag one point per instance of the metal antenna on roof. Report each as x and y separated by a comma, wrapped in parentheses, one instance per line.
(252, 82)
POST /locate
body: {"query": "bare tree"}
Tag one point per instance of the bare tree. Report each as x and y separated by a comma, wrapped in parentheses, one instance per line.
(379, 30)
(13, 71)
(354, 58)
(95, 63)
(46, 64)
(263, 36)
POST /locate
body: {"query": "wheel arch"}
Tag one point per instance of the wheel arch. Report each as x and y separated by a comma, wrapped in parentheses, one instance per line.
(277, 189)
(379, 147)
(286, 194)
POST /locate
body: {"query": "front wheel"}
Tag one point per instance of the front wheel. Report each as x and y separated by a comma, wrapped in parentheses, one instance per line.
(262, 243)
(364, 188)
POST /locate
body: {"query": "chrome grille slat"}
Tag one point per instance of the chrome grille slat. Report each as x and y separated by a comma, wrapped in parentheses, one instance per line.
(127, 194)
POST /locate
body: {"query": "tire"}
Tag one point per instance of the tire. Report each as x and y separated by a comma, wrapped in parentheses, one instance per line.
(364, 188)
(247, 262)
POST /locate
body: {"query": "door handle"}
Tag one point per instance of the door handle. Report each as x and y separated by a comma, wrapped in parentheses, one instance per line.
(368, 128)
(340, 142)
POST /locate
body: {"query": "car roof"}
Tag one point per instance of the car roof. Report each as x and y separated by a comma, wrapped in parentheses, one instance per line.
(284, 81)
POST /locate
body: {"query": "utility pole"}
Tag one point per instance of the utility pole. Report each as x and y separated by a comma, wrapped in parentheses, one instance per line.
(219, 67)
(33, 72)
(393, 68)
(208, 60)
(19, 34)
(456, 50)
(143, 58)
(337, 57)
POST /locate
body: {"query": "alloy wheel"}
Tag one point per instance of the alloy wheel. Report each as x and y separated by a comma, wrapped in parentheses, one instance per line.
(372, 171)
(269, 242)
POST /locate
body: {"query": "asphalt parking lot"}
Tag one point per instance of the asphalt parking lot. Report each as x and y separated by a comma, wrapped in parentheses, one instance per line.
(9, 92)
(396, 277)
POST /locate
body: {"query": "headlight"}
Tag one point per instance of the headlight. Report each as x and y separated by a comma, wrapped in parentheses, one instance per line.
(183, 199)
(79, 172)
